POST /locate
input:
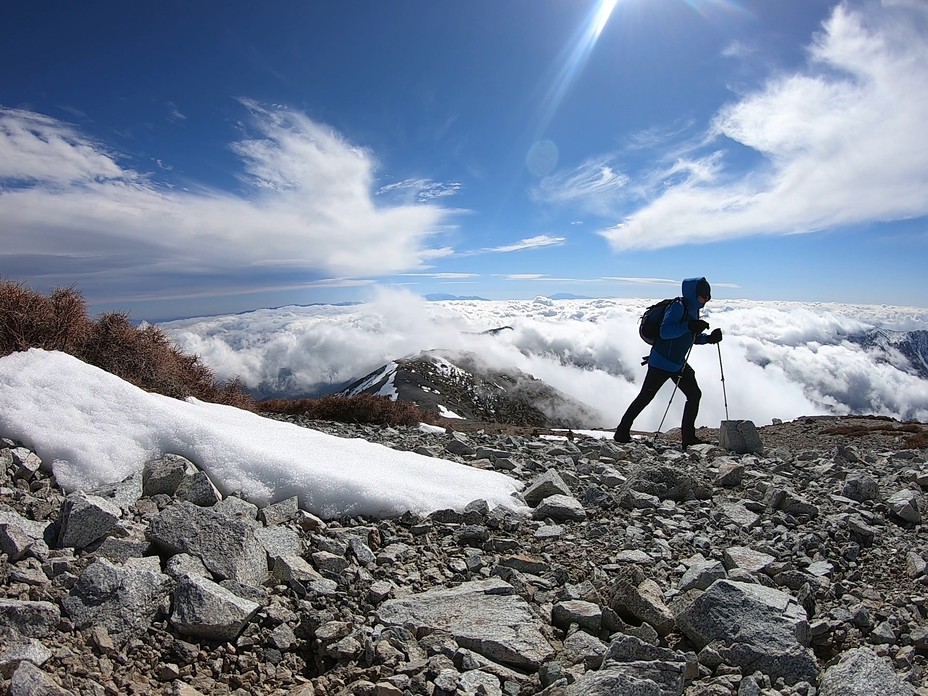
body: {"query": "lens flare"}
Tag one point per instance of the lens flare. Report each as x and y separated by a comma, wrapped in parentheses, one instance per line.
(575, 57)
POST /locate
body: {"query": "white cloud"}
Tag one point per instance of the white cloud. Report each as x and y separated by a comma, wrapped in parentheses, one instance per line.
(442, 276)
(36, 148)
(308, 210)
(842, 142)
(537, 242)
(781, 360)
(595, 185)
(643, 281)
(423, 190)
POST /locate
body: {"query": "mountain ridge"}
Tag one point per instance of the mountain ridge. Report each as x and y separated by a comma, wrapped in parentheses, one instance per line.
(446, 382)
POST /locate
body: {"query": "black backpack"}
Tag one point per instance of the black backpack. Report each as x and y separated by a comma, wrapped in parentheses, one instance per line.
(649, 325)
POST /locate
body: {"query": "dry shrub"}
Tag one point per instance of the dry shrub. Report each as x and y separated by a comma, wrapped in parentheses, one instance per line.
(143, 356)
(376, 410)
(848, 430)
(861, 430)
(917, 435)
(30, 320)
(146, 357)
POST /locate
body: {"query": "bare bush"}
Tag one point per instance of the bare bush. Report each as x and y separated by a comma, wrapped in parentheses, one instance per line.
(30, 320)
(377, 410)
(143, 356)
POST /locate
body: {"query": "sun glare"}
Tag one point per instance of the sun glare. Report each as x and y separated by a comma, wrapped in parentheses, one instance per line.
(602, 16)
(574, 58)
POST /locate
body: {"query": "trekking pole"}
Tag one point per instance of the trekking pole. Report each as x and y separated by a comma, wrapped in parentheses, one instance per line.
(676, 384)
(722, 371)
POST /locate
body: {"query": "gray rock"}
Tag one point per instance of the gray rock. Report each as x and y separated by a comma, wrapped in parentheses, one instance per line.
(198, 489)
(281, 512)
(860, 672)
(753, 627)
(86, 519)
(794, 504)
(29, 619)
(329, 564)
(907, 504)
(122, 494)
(163, 476)
(362, 552)
(14, 541)
(484, 616)
(227, 546)
(559, 508)
(476, 681)
(642, 664)
(915, 565)
(665, 482)
(586, 615)
(547, 484)
(237, 508)
(637, 597)
(181, 564)
(36, 530)
(279, 541)
(860, 486)
(737, 513)
(124, 599)
(701, 575)
(459, 445)
(29, 680)
(206, 610)
(121, 550)
(731, 472)
(637, 500)
(301, 576)
(740, 436)
(582, 648)
(746, 559)
(25, 463)
(16, 650)
(613, 680)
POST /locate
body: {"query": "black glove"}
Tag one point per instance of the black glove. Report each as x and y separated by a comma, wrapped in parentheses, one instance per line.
(715, 336)
(697, 326)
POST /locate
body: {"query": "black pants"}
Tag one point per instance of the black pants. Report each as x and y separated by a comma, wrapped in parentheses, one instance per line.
(653, 381)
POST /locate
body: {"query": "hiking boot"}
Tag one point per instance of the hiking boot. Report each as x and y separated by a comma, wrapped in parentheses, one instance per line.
(622, 435)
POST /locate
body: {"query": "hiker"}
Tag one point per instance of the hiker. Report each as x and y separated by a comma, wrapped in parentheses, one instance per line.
(680, 328)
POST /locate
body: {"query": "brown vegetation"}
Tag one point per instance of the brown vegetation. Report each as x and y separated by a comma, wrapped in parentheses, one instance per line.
(144, 356)
(917, 436)
(919, 441)
(354, 409)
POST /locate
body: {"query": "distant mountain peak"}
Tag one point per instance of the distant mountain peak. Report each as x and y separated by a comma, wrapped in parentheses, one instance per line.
(459, 384)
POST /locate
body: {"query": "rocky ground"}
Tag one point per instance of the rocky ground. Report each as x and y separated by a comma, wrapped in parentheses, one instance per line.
(641, 569)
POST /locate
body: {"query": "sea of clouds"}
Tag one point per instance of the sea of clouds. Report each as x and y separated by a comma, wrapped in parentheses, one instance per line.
(779, 359)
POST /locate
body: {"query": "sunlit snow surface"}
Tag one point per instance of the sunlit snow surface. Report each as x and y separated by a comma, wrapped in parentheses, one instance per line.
(92, 428)
(780, 359)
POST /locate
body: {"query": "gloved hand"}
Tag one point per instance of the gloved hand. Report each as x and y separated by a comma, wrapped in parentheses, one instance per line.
(715, 336)
(697, 326)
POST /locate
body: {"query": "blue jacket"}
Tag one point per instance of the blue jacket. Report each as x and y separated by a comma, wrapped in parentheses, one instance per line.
(671, 348)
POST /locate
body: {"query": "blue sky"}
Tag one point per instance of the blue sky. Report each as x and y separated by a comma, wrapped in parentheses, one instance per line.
(177, 159)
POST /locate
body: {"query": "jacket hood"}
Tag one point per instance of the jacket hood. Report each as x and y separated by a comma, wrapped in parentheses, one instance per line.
(689, 292)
